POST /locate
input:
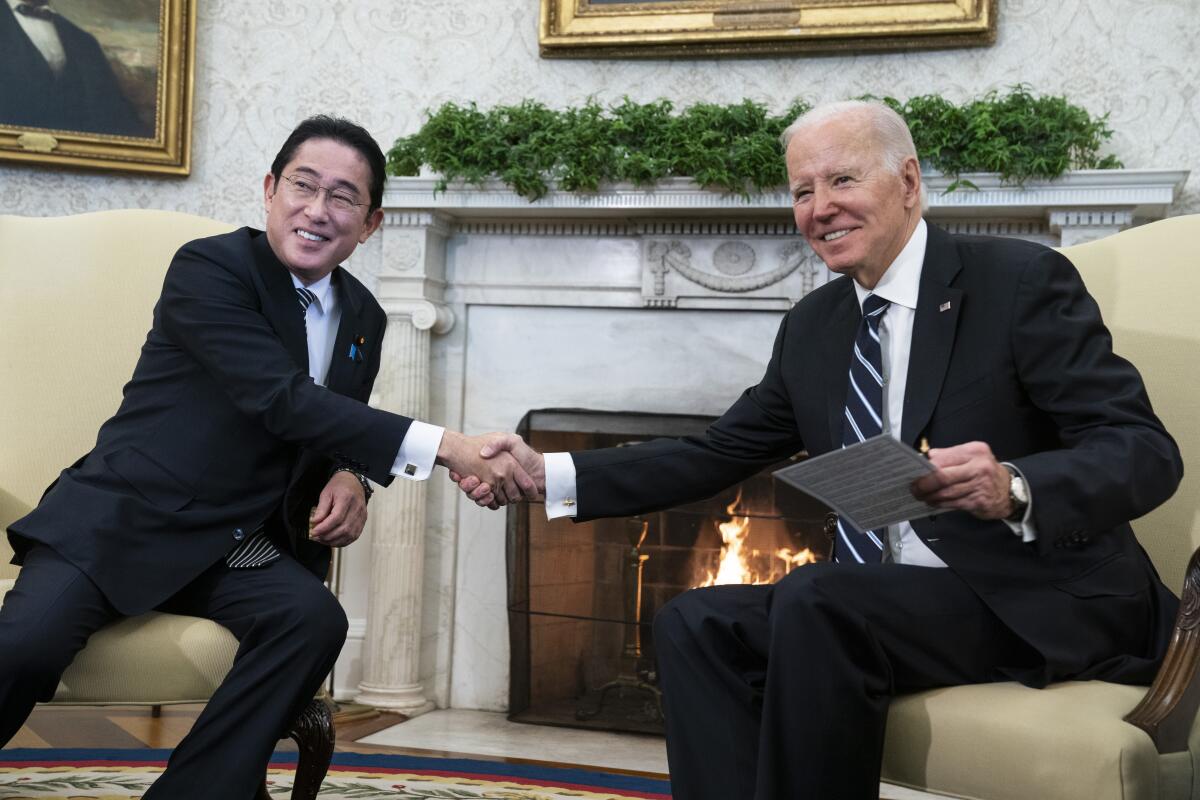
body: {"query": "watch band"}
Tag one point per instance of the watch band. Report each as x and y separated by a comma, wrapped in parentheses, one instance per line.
(362, 480)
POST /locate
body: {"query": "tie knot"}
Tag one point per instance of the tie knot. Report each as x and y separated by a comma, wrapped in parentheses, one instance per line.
(874, 306)
(35, 8)
(306, 296)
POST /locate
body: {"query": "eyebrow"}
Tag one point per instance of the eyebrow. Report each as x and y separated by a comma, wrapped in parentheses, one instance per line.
(338, 183)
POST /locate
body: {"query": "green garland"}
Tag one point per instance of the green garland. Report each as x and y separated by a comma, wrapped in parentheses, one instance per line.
(734, 148)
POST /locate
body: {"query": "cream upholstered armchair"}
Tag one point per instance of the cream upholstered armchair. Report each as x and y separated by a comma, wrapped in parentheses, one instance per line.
(76, 306)
(1094, 740)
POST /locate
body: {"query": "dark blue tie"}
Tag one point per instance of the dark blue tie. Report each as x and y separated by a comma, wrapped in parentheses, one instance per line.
(257, 550)
(863, 419)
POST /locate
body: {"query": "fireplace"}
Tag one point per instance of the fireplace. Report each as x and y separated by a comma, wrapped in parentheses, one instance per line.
(581, 597)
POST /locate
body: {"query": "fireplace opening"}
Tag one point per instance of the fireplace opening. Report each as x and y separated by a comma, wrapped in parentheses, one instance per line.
(582, 597)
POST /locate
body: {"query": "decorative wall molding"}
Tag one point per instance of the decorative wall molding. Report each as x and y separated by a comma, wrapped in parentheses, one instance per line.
(728, 273)
(1147, 193)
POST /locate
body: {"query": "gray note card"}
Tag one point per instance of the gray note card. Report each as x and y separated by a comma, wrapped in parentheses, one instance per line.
(867, 483)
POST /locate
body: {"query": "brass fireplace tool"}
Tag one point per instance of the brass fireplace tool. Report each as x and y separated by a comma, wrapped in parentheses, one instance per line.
(631, 677)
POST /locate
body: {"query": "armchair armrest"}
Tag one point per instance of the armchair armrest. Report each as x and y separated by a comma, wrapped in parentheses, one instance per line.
(1168, 710)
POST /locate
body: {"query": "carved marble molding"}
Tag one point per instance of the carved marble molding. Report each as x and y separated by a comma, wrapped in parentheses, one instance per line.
(424, 315)
(1147, 193)
(728, 272)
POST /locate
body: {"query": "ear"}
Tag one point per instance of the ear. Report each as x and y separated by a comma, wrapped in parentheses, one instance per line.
(268, 191)
(910, 175)
(374, 220)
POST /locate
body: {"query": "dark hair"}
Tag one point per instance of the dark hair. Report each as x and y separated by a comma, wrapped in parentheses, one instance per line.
(323, 126)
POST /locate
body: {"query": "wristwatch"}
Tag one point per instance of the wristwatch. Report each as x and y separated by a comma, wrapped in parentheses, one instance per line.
(1018, 495)
(362, 481)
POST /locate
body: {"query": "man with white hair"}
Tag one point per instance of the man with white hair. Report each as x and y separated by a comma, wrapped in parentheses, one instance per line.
(1045, 446)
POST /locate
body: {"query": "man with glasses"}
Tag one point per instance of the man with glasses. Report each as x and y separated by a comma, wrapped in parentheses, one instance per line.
(242, 450)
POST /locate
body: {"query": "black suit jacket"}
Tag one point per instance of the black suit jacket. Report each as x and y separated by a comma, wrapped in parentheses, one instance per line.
(1007, 348)
(220, 429)
(84, 97)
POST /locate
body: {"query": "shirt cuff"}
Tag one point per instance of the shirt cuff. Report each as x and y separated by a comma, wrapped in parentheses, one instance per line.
(418, 451)
(1025, 528)
(560, 486)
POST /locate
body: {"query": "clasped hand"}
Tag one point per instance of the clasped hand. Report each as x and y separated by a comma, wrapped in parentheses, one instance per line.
(493, 469)
(968, 478)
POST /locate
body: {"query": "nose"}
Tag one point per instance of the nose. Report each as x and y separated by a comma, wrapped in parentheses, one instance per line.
(823, 205)
(317, 206)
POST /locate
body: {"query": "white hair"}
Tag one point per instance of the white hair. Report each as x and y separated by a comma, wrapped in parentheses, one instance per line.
(890, 131)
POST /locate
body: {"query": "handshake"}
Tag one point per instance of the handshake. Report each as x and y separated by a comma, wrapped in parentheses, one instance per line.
(493, 469)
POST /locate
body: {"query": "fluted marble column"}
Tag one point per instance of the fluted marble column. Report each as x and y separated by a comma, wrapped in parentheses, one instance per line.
(414, 265)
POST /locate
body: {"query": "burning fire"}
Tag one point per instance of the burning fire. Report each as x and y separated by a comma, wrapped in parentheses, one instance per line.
(739, 563)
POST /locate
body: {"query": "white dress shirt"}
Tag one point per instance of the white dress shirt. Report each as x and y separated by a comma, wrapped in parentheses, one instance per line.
(900, 285)
(419, 448)
(44, 36)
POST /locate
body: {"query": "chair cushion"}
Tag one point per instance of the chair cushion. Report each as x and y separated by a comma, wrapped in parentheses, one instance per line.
(1005, 741)
(152, 659)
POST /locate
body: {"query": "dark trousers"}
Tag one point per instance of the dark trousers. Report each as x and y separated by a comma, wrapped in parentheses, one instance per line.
(781, 692)
(289, 629)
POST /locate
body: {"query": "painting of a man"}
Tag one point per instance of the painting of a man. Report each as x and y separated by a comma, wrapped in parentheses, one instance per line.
(56, 74)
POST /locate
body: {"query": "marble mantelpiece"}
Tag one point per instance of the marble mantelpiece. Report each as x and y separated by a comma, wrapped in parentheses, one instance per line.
(652, 300)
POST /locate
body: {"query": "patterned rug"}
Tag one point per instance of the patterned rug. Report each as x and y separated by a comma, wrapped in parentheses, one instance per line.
(61, 774)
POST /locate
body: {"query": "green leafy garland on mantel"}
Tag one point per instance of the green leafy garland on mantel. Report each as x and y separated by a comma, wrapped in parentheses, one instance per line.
(735, 147)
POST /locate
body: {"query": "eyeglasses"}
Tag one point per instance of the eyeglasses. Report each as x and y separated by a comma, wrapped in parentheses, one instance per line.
(305, 189)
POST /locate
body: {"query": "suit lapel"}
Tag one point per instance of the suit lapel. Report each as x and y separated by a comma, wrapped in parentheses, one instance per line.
(840, 327)
(343, 364)
(281, 305)
(934, 327)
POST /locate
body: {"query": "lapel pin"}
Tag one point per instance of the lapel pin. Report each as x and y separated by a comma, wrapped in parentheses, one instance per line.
(944, 306)
(356, 353)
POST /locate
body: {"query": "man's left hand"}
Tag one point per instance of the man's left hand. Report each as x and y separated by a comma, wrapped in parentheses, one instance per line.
(341, 512)
(968, 478)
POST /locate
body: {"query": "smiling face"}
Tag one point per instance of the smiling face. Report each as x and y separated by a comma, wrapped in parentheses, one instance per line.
(306, 234)
(855, 212)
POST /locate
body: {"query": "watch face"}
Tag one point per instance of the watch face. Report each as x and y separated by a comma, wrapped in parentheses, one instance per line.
(1016, 488)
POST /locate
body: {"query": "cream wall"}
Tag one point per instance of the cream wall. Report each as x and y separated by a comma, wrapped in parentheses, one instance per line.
(264, 64)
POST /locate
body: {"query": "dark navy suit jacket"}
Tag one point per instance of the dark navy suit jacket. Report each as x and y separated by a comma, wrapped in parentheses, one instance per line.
(220, 429)
(1007, 348)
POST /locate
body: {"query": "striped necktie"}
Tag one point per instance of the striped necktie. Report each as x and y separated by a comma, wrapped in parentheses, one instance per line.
(863, 419)
(257, 549)
(307, 297)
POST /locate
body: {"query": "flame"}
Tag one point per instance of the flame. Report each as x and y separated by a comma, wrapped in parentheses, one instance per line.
(741, 564)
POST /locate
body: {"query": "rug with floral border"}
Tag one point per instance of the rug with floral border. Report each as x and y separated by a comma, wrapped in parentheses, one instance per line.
(76, 774)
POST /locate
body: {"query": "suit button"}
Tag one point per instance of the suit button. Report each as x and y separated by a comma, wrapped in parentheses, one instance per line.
(238, 534)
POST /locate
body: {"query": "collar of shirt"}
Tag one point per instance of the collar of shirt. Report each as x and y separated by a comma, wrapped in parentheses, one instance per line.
(901, 282)
(44, 36)
(323, 289)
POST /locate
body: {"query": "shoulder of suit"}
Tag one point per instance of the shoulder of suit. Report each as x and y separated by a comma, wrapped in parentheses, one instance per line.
(974, 249)
(823, 296)
(232, 243)
(354, 286)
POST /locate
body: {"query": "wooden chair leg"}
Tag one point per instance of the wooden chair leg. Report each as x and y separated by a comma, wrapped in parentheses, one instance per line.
(314, 734)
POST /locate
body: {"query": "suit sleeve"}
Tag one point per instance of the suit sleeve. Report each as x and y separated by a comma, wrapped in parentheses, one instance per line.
(758, 430)
(214, 316)
(1115, 462)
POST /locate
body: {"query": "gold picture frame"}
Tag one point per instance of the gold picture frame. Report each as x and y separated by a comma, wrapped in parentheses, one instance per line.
(114, 93)
(664, 28)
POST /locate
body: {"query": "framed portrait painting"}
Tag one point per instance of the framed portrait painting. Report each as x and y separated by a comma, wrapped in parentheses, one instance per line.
(104, 84)
(658, 28)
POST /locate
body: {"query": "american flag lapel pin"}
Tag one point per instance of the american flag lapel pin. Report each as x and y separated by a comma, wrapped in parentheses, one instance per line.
(944, 306)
